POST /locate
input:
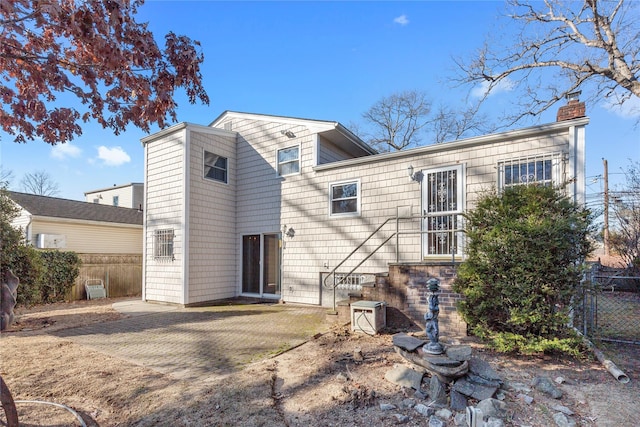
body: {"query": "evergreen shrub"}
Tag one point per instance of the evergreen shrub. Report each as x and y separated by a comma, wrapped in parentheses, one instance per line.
(524, 254)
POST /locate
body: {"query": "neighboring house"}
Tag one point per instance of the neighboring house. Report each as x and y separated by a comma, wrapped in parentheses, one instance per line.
(266, 206)
(108, 239)
(53, 223)
(126, 196)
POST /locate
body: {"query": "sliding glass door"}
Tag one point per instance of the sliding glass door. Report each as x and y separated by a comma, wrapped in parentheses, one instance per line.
(261, 264)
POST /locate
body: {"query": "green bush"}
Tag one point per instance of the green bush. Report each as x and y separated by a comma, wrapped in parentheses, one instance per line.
(45, 276)
(523, 265)
(27, 266)
(59, 273)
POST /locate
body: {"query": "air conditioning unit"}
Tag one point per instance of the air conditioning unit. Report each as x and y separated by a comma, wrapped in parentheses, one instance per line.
(51, 241)
(368, 316)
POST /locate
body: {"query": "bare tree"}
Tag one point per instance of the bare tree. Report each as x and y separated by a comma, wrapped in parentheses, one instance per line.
(6, 176)
(401, 120)
(562, 46)
(397, 120)
(448, 124)
(39, 183)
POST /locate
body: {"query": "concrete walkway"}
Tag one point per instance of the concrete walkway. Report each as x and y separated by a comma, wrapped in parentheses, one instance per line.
(196, 343)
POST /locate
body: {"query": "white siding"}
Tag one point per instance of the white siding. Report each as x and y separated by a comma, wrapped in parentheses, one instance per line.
(259, 189)
(87, 238)
(129, 196)
(385, 186)
(257, 201)
(212, 215)
(329, 152)
(165, 209)
(22, 220)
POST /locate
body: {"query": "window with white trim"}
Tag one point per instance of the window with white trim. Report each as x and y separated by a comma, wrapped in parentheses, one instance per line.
(215, 167)
(344, 198)
(116, 200)
(544, 169)
(163, 244)
(288, 160)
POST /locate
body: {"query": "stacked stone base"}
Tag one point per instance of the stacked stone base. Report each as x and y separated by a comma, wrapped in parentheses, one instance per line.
(456, 376)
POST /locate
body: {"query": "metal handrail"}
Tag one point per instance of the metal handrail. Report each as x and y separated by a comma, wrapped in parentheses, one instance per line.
(396, 234)
(356, 249)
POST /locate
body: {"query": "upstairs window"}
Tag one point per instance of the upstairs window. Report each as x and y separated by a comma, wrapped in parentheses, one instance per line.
(163, 244)
(116, 200)
(288, 161)
(215, 167)
(345, 198)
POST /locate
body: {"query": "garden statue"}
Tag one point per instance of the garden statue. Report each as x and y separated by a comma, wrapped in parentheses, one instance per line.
(9, 294)
(431, 317)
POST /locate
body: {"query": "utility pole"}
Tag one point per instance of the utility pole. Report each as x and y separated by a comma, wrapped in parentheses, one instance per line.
(606, 206)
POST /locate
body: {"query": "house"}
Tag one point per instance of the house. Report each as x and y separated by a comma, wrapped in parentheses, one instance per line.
(53, 223)
(107, 238)
(127, 196)
(272, 207)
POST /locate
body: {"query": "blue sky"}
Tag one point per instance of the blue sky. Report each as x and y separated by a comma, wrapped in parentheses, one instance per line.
(319, 60)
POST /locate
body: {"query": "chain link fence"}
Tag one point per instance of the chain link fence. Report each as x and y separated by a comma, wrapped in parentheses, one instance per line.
(607, 308)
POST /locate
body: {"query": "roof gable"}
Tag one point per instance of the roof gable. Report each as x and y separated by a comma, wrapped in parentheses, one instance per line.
(332, 130)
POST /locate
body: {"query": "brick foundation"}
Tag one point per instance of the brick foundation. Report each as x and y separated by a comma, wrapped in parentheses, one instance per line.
(405, 289)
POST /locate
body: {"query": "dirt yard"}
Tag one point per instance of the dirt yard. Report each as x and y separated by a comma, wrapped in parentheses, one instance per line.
(316, 384)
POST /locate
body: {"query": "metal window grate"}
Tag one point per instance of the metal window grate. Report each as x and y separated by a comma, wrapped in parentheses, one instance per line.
(163, 244)
(545, 169)
(442, 206)
(350, 281)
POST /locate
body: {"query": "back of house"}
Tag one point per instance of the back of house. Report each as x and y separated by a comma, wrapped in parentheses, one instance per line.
(273, 207)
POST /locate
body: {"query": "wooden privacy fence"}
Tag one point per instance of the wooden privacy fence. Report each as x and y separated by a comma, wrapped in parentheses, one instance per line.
(121, 274)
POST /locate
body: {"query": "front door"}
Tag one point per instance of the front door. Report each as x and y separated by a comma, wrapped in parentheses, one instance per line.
(261, 264)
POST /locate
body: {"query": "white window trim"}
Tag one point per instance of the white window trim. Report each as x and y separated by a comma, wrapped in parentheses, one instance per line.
(226, 182)
(358, 199)
(299, 160)
(557, 168)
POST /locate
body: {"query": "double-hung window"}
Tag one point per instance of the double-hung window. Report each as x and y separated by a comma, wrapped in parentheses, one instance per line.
(344, 198)
(545, 169)
(215, 167)
(288, 160)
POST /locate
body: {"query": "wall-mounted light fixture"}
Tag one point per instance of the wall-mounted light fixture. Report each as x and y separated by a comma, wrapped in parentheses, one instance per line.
(415, 176)
(288, 133)
(288, 231)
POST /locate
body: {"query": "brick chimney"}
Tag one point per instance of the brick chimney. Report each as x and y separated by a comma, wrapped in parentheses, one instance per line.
(573, 109)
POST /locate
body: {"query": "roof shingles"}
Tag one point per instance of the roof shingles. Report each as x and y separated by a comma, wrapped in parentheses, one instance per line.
(73, 209)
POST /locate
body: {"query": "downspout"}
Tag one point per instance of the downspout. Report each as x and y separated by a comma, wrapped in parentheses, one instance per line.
(28, 235)
(608, 364)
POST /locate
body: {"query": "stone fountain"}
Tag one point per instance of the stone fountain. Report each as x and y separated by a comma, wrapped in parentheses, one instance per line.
(451, 367)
